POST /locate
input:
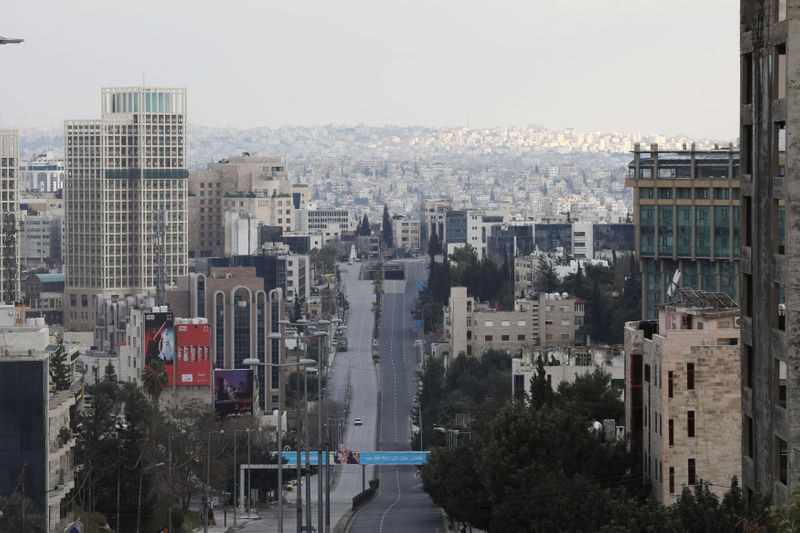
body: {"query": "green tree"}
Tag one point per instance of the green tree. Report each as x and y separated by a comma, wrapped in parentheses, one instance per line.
(434, 244)
(593, 397)
(58, 366)
(546, 277)
(154, 379)
(110, 374)
(541, 391)
(387, 233)
(366, 231)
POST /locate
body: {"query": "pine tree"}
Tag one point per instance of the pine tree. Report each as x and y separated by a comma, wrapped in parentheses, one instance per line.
(387, 233)
(434, 246)
(365, 228)
(110, 374)
(60, 378)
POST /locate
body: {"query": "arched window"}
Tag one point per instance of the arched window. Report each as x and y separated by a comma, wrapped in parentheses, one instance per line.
(241, 326)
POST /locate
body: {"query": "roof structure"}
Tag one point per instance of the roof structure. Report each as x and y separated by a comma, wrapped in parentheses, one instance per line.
(695, 299)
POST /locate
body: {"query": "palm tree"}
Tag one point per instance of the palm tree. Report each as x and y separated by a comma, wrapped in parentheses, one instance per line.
(154, 379)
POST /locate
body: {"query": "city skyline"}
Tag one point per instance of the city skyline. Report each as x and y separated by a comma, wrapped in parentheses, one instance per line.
(352, 63)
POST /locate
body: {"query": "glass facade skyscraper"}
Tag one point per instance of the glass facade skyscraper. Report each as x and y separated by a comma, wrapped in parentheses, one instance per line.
(686, 208)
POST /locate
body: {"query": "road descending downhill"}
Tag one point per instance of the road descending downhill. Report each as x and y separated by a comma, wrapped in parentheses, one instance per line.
(401, 505)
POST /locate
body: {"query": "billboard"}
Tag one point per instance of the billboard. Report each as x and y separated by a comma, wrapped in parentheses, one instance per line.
(347, 456)
(159, 341)
(193, 359)
(233, 392)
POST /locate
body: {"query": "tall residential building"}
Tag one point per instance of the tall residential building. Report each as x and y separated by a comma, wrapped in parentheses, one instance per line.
(770, 295)
(683, 402)
(126, 185)
(9, 216)
(686, 208)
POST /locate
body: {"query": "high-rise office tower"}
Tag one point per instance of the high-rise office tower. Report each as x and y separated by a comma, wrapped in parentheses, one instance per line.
(125, 198)
(9, 216)
(686, 208)
(770, 263)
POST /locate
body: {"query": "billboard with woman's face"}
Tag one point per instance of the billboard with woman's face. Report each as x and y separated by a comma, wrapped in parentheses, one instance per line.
(233, 392)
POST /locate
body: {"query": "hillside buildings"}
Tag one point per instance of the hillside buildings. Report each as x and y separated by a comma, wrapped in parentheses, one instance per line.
(686, 204)
(126, 188)
(683, 408)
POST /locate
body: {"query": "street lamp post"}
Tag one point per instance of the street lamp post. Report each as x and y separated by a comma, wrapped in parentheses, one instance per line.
(208, 476)
(319, 335)
(255, 362)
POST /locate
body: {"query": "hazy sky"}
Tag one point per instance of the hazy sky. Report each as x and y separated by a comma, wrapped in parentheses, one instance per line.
(668, 66)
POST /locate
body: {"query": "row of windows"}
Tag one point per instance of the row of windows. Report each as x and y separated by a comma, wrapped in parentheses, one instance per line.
(688, 193)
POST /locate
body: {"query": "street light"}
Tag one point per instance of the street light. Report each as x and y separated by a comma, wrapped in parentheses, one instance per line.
(319, 335)
(252, 361)
(208, 476)
(235, 471)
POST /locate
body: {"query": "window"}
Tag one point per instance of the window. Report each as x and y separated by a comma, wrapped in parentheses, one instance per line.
(748, 436)
(779, 382)
(722, 194)
(84, 300)
(671, 430)
(645, 193)
(689, 376)
(647, 373)
(672, 480)
(488, 338)
(505, 338)
(488, 324)
(666, 172)
(520, 337)
(692, 472)
(782, 460)
(701, 193)
(670, 374)
(690, 423)
(665, 193)
(748, 361)
(684, 193)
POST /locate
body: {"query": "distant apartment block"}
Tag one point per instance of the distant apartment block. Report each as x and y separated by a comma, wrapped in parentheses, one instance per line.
(124, 173)
(406, 232)
(239, 187)
(686, 208)
(683, 394)
(473, 328)
(433, 219)
(563, 364)
(43, 173)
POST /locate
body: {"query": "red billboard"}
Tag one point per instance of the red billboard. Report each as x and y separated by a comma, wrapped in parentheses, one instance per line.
(159, 341)
(193, 354)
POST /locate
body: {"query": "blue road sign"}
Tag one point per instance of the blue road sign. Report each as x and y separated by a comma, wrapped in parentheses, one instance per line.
(418, 324)
(363, 458)
(420, 285)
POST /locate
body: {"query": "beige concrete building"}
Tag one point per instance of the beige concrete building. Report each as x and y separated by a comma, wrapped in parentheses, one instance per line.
(683, 385)
(406, 232)
(472, 328)
(247, 186)
(124, 173)
(433, 218)
(563, 364)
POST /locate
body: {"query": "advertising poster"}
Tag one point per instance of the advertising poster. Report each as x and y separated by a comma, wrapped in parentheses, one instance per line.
(193, 354)
(159, 341)
(233, 392)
